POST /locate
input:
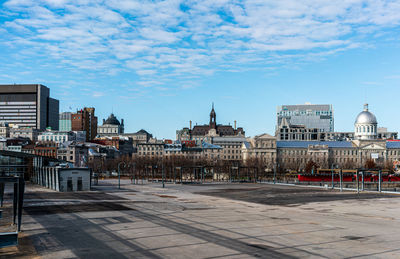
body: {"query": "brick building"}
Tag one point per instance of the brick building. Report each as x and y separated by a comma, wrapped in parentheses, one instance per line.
(85, 120)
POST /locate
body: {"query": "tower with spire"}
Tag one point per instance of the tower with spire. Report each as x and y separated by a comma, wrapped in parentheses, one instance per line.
(213, 118)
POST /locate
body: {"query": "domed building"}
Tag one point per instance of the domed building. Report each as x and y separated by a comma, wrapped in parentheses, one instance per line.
(111, 126)
(366, 125)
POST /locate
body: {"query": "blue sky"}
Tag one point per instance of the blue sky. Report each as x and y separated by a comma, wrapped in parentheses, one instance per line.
(159, 64)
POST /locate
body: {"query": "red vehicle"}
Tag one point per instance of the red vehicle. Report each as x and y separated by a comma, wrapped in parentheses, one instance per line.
(348, 177)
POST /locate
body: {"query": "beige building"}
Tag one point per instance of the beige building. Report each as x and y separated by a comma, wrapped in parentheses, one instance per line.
(75, 153)
(111, 126)
(22, 132)
(4, 130)
(369, 145)
(262, 147)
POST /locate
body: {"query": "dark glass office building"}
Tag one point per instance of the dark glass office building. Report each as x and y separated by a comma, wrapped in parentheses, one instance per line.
(28, 105)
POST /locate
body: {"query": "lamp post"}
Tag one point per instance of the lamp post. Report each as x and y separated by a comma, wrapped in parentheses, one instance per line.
(333, 174)
(119, 174)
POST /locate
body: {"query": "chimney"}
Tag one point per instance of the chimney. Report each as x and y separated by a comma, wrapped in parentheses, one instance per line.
(190, 123)
(235, 125)
(122, 121)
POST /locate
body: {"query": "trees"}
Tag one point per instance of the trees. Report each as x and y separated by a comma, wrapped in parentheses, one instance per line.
(370, 163)
(311, 166)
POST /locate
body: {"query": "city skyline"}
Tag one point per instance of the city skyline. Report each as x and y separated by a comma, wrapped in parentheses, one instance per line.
(159, 65)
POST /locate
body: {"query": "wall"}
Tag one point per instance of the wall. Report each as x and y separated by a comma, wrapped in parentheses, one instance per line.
(74, 174)
(56, 178)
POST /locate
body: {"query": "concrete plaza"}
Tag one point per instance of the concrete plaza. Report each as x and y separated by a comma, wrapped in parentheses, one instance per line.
(208, 221)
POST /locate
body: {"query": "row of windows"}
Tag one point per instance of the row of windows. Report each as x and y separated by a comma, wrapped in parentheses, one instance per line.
(71, 158)
(368, 129)
(8, 107)
(20, 114)
(53, 138)
(233, 151)
(149, 148)
(22, 117)
(17, 103)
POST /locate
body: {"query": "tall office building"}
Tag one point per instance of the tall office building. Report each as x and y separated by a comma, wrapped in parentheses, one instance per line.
(85, 120)
(311, 116)
(65, 121)
(28, 105)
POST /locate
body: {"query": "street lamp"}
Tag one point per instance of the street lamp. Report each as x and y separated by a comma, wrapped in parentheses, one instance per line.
(333, 168)
(119, 174)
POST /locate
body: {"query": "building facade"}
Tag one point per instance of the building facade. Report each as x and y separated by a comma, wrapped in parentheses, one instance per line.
(201, 133)
(74, 153)
(261, 147)
(24, 132)
(111, 126)
(312, 116)
(64, 123)
(366, 146)
(28, 105)
(142, 136)
(60, 137)
(85, 120)
(4, 130)
(366, 127)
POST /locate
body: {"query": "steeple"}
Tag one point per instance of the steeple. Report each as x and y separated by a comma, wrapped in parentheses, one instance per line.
(213, 118)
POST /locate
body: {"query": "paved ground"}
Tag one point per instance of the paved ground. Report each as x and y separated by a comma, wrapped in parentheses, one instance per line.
(208, 221)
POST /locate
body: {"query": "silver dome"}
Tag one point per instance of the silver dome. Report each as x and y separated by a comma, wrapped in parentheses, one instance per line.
(366, 117)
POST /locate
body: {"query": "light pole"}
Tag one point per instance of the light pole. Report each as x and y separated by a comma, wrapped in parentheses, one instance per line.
(162, 174)
(333, 175)
(119, 174)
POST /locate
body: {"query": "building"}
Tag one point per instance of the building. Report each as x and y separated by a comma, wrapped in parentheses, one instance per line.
(64, 122)
(74, 153)
(261, 147)
(85, 120)
(150, 150)
(111, 126)
(367, 145)
(4, 130)
(20, 163)
(231, 147)
(300, 132)
(60, 137)
(24, 132)
(201, 133)
(178, 150)
(46, 148)
(123, 144)
(63, 179)
(313, 116)
(366, 125)
(141, 136)
(304, 122)
(28, 105)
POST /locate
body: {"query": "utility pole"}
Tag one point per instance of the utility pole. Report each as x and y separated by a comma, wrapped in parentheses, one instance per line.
(119, 174)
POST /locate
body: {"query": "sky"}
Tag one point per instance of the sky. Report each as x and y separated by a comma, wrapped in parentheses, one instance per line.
(160, 64)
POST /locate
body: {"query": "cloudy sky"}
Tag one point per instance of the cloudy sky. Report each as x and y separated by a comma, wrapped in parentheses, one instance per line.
(159, 64)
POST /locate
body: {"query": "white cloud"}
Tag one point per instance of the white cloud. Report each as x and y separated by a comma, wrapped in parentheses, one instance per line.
(174, 40)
